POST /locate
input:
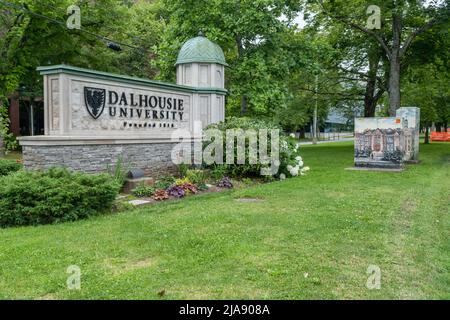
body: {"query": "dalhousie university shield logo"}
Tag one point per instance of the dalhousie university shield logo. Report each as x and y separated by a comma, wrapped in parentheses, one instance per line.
(95, 101)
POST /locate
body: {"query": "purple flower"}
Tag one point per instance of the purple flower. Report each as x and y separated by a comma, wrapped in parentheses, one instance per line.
(176, 191)
(225, 183)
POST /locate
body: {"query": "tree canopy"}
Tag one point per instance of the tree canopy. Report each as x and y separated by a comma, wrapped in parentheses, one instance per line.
(276, 69)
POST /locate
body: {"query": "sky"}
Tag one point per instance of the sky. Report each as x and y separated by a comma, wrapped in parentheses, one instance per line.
(300, 21)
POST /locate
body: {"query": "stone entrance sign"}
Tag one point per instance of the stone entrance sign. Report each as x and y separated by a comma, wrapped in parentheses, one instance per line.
(85, 103)
(92, 118)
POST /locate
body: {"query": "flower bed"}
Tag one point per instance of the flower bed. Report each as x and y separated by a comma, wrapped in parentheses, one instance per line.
(198, 181)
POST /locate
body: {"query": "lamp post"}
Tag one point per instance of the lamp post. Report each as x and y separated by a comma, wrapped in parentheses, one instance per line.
(314, 141)
(32, 115)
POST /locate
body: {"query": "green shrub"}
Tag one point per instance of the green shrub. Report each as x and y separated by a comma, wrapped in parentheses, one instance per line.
(119, 171)
(239, 170)
(196, 176)
(218, 171)
(9, 166)
(164, 182)
(56, 195)
(288, 151)
(9, 139)
(143, 191)
(183, 168)
(202, 187)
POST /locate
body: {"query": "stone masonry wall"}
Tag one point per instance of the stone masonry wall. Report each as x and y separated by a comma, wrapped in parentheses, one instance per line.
(154, 159)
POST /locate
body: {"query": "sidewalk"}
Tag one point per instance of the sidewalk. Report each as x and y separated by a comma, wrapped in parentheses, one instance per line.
(327, 141)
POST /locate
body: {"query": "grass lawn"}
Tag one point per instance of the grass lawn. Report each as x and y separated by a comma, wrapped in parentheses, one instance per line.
(312, 237)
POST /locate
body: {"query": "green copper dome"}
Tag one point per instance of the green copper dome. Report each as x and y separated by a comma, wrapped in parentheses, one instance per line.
(200, 49)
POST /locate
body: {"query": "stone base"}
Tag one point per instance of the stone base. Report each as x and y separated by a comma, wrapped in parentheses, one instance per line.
(152, 157)
(131, 184)
(370, 163)
(375, 169)
(412, 161)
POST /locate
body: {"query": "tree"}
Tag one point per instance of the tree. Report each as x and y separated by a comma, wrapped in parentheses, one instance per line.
(34, 33)
(144, 30)
(362, 67)
(315, 80)
(253, 36)
(427, 87)
(357, 64)
(408, 20)
(11, 70)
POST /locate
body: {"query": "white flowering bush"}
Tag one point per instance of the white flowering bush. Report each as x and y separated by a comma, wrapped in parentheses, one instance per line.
(291, 162)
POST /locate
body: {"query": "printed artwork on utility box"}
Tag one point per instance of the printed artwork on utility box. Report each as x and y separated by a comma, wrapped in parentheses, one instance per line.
(387, 142)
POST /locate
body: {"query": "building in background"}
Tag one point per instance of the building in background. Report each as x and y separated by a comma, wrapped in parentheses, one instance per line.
(337, 121)
(26, 114)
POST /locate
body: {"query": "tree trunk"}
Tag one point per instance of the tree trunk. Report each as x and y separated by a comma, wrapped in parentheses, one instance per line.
(394, 71)
(394, 86)
(370, 101)
(244, 98)
(302, 133)
(370, 98)
(369, 106)
(2, 144)
(243, 105)
(2, 147)
(427, 134)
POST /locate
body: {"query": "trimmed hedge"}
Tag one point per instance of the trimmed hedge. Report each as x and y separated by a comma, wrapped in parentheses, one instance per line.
(9, 166)
(56, 195)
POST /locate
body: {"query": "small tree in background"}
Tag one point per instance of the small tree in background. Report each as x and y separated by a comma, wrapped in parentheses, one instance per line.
(402, 22)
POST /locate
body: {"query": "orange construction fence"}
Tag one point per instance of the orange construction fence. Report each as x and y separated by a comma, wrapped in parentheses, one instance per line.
(440, 136)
